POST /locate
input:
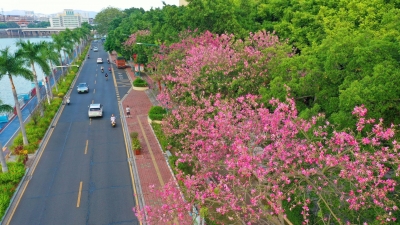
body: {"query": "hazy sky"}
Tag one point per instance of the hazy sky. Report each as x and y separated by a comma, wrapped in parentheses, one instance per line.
(57, 6)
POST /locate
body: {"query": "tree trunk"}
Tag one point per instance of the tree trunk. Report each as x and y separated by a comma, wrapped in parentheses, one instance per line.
(62, 69)
(39, 98)
(4, 167)
(18, 109)
(65, 58)
(54, 78)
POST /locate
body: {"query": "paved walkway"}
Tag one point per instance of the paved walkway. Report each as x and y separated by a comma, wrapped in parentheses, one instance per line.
(151, 164)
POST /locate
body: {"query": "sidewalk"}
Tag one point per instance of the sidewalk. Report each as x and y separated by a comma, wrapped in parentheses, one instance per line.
(152, 165)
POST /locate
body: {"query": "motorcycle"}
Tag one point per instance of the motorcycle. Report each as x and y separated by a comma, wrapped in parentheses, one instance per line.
(67, 100)
(102, 70)
(88, 57)
(108, 61)
(113, 123)
(109, 69)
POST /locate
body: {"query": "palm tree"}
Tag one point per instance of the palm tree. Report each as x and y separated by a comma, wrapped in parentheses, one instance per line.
(33, 53)
(58, 45)
(52, 58)
(73, 37)
(68, 49)
(4, 108)
(13, 65)
(62, 45)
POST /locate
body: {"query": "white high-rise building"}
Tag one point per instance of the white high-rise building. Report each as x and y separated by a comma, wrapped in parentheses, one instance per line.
(68, 19)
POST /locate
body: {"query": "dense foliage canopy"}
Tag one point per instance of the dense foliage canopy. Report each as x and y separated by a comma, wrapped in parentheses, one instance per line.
(223, 61)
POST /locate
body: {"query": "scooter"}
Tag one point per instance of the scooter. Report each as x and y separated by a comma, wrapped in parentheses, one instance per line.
(108, 61)
(109, 69)
(102, 70)
(68, 101)
(113, 123)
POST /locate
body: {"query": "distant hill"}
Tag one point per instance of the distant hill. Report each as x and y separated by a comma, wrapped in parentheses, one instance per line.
(91, 14)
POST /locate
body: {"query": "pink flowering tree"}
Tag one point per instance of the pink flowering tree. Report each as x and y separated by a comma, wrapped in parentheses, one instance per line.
(138, 36)
(242, 162)
(210, 63)
(250, 164)
(134, 37)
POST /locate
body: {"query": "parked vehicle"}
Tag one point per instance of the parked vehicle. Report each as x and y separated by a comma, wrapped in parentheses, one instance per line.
(121, 63)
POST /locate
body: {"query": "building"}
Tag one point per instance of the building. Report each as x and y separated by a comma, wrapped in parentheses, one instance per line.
(183, 3)
(68, 19)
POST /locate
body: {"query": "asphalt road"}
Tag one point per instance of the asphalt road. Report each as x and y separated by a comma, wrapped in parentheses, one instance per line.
(82, 176)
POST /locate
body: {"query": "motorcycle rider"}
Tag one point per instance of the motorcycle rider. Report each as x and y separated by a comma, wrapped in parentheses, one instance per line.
(112, 119)
(88, 56)
(102, 69)
(106, 75)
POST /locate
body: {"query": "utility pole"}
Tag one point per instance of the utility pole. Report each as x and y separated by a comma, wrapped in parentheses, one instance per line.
(3, 160)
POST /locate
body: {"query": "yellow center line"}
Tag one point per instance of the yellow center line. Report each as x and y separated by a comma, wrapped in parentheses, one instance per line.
(153, 159)
(79, 195)
(87, 141)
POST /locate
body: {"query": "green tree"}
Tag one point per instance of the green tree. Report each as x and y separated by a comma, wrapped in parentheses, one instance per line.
(33, 54)
(104, 17)
(73, 37)
(4, 108)
(12, 25)
(12, 65)
(52, 58)
(59, 45)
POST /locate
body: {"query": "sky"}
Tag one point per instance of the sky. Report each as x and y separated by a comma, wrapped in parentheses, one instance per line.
(57, 6)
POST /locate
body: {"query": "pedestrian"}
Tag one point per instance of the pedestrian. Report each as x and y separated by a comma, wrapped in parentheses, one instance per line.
(128, 111)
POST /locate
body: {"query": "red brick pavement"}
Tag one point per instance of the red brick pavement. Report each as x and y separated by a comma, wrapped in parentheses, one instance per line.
(151, 172)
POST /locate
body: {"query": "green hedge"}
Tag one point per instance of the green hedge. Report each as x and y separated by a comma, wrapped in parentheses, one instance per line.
(160, 135)
(139, 82)
(157, 113)
(8, 183)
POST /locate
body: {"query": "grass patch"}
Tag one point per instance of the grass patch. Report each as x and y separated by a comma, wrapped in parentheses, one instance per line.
(139, 82)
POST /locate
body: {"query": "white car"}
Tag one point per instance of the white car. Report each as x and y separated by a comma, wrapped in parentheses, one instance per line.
(95, 49)
(95, 110)
(99, 60)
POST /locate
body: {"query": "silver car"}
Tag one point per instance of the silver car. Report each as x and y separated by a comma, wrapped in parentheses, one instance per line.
(95, 49)
(82, 87)
(95, 110)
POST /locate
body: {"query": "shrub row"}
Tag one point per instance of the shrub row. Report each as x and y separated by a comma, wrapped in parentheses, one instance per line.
(157, 113)
(139, 82)
(8, 183)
